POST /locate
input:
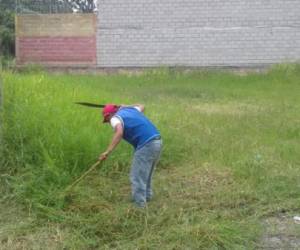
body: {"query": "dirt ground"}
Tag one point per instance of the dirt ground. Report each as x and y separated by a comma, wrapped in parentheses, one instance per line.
(281, 232)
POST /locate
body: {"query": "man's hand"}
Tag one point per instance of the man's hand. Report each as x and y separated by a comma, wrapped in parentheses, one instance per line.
(140, 106)
(103, 156)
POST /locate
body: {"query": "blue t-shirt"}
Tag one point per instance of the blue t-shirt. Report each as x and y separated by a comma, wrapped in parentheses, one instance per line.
(137, 129)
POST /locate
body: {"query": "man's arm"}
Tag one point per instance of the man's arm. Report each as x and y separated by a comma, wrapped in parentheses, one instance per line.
(140, 106)
(114, 142)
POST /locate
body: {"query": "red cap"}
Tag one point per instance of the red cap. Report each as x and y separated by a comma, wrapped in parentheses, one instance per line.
(108, 110)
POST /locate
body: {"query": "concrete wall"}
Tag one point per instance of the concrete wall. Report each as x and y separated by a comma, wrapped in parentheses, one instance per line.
(56, 39)
(197, 32)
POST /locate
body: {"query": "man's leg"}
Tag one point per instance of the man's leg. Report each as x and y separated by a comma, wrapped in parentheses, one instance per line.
(143, 165)
(138, 176)
(156, 147)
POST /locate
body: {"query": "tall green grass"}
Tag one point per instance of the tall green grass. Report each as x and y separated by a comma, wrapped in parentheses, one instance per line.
(231, 156)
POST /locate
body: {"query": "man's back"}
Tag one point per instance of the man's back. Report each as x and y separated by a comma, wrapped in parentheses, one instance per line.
(138, 129)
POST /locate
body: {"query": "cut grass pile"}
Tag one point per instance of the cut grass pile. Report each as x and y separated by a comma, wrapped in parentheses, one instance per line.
(231, 157)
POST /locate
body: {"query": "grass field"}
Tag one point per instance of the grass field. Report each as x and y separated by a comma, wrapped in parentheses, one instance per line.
(230, 160)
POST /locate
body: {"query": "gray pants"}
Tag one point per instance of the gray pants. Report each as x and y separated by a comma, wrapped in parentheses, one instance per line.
(144, 162)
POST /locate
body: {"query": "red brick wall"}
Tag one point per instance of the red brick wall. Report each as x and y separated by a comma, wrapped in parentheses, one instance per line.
(57, 40)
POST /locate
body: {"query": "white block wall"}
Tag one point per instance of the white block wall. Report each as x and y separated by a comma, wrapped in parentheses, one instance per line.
(141, 33)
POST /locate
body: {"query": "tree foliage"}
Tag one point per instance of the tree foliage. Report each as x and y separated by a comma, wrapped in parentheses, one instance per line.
(55, 6)
(7, 28)
(84, 6)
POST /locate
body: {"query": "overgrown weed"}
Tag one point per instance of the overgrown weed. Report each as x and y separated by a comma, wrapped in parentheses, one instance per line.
(230, 157)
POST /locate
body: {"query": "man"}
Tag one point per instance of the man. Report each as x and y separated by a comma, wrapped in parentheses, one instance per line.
(130, 123)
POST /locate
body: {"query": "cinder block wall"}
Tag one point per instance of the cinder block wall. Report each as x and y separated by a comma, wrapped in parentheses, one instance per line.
(197, 32)
(56, 39)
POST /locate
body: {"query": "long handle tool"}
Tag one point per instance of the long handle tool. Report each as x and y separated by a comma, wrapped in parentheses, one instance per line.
(83, 175)
(93, 105)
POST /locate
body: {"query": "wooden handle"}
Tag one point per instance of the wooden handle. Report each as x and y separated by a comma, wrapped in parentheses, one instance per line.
(84, 175)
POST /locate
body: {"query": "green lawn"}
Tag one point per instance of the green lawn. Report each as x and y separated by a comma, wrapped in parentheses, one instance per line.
(230, 160)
